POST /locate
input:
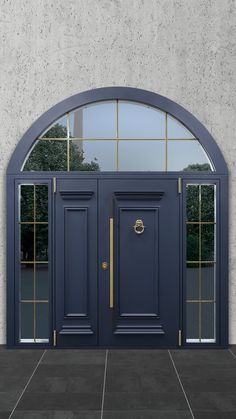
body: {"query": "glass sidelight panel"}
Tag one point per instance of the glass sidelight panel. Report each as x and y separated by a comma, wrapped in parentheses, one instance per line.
(193, 242)
(192, 203)
(26, 322)
(201, 263)
(27, 281)
(27, 242)
(27, 203)
(34, 278)
(41, 202)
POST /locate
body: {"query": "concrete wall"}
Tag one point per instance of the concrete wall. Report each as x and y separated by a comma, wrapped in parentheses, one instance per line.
(182, 49)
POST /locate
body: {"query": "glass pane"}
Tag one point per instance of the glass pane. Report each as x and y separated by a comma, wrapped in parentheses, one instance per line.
(27, 281)
(192, 203)
(26, 321)
(184, 155)
(177, 130)
(208, 203)
(92, 155)
(41, 205)
(192, 242)
(26, 203)
(192, 320)
(140, 121)
(94, 121)
(141, 155)
(208, 320)
(42, 321)
(58, 129)
(42, 281)
(192, 281)
(27, 242)
(41, 242)
(48, 155)
(207, 242)
(208, 281)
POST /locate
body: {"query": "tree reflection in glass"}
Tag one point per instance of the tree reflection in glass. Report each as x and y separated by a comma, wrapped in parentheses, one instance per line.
(51, 154)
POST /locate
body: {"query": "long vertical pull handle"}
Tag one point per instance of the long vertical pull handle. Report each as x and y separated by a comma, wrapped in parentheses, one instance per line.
(111, 263)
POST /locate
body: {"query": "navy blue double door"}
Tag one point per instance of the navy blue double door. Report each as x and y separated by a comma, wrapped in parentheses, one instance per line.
(117, 262)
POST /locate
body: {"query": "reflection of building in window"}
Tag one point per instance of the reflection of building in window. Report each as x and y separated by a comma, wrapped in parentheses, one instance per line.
(78, 129)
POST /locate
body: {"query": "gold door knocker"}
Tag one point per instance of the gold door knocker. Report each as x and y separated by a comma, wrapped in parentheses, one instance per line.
(139, 227)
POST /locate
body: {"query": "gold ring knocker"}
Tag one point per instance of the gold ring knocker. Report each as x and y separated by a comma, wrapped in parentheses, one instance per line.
(139, 227)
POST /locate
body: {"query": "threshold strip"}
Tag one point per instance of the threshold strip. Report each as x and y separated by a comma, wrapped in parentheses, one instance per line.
(232, 353)
(104, 384)
(181, 385)
(14, 408)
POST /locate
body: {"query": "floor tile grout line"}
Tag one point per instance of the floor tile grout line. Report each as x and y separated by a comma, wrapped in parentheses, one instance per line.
(24, 389)
(232, 353)
(104, 384)
(181, 384)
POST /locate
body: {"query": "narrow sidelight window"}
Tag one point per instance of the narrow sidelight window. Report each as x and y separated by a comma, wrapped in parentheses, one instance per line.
(33, 261)
(201, 263)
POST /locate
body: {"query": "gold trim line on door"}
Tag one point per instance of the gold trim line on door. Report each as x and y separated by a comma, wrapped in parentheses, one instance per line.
(111, 305)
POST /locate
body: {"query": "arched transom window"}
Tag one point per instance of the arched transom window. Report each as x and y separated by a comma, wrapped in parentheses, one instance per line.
(117, 136)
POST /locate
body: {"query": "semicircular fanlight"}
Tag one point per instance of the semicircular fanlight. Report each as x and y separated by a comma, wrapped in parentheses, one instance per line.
(117, 136)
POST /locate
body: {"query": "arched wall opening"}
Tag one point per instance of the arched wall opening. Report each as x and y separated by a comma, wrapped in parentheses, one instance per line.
(110, 159)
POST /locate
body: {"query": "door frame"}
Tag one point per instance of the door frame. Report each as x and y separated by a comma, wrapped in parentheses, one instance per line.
(222, 245)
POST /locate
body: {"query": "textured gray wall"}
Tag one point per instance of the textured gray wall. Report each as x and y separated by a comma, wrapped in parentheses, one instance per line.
(182, 49)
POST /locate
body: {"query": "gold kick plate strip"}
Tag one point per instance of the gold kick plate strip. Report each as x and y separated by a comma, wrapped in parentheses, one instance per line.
(54, 338)
(180, 337)
(111, 305)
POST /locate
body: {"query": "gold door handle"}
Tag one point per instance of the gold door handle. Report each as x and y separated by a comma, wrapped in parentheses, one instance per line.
(111, 264)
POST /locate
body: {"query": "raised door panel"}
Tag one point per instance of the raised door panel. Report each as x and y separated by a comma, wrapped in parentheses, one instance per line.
(136, 221)
(76, 262)
(137, 262)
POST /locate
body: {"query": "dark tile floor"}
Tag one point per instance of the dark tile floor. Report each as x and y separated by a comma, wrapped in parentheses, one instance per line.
(118, 384)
